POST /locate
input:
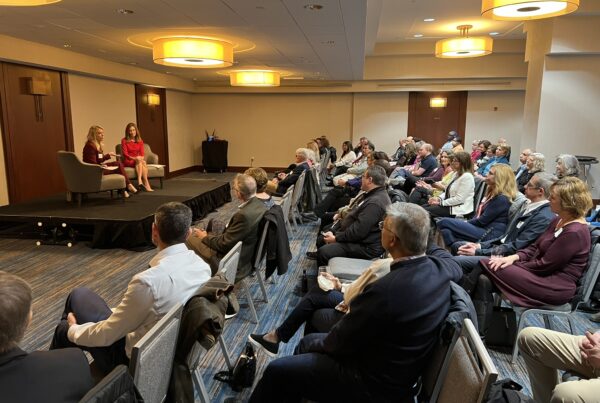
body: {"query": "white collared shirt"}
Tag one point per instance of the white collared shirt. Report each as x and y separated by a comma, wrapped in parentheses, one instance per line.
(532, 206)
(175, 274)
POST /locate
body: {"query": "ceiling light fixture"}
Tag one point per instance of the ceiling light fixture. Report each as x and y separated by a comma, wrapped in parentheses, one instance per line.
(521, 10)
(192, 52)
(313, 7)
(464, 46)
(429, 19)
(124, 11)
(254, 78)
(27, 2)
(418, 35)
(494, 33)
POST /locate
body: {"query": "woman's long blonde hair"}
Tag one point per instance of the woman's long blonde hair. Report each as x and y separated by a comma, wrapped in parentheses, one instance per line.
(504, 182)
(92, 137)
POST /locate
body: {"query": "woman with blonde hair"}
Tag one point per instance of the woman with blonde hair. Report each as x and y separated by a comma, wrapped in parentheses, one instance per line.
(491, 217)
(132, 147)
(93, 153)
(547, 271)
(314, 156)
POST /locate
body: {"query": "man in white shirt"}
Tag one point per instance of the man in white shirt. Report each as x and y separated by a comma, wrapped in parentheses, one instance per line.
(175, 274)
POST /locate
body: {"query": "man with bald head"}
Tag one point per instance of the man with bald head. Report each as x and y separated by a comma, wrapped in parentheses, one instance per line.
(243, 226)
(523, 160)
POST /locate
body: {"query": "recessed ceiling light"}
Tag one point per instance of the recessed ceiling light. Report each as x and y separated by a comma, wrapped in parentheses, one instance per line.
(418, 35)
(329, 42)
(494, 33)
(66, 45)
(124, 11)
(429, 19)
(313, 7)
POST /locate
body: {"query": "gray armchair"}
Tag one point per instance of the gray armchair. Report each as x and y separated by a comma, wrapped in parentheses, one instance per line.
(82, 177)
(150, 158)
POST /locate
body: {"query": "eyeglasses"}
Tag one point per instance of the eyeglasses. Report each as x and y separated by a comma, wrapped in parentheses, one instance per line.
(530, 186)
(382, 227)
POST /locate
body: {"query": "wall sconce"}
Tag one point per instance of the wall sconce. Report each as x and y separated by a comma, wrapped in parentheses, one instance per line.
(438, 102)
(38, 87)
(153, 99)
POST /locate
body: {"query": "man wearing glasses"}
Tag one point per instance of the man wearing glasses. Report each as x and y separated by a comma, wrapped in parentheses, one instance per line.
(527, 225)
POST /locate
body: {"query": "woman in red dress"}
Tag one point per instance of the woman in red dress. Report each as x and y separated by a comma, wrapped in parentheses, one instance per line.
(93, 153)
(132, 147)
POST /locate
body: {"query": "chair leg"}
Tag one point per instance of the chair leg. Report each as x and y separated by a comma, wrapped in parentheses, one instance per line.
(200, 387)
(79, 196)
(226, 354)
(249, 298)
(161, 183)
(261, 283)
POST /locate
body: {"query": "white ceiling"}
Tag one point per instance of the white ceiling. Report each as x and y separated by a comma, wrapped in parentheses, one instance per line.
(329, 44)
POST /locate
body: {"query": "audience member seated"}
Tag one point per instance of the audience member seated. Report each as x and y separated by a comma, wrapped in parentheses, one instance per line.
(93, 153)
(431, 187)
(337, 299)
(486, 153)
(359, 146)
(410, 154)
(546, 352)
(457, 198)
(314, 156)
(475, 151)
(174, 275)
(535, 163)
(261, 179)
(547, 271)
(527, 225)
(284, 180)
(243, 226)
(379, 349)
(424, 169)
(567, 165)
(344, 161)
(502, 151)
(456, 146)
(358, 166)
(448, 144)
(132, 147)
(523, 163)
(491, 216)
(41, 376)
(357, 235)
(325, 145)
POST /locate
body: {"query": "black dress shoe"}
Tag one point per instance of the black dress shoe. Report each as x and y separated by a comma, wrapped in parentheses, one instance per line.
(311, 255)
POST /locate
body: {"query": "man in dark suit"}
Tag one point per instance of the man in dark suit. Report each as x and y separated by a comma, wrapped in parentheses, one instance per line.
(41, 376)
(527, 225)
(285, 180)
(357, 234)
(243, 226)
(377, 351)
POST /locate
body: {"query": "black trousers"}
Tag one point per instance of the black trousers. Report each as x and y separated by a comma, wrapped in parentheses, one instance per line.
(87, 306)
(333, 200)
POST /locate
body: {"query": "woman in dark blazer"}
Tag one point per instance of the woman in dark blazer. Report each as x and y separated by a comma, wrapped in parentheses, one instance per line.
(93, 153)
(491, 216)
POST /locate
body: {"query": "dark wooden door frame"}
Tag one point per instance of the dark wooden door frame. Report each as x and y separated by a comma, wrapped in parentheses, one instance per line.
(6, 127)
(139, 103)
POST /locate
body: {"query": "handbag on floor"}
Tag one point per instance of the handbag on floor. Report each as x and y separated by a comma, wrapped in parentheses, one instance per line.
(502, 330)
(243, 372)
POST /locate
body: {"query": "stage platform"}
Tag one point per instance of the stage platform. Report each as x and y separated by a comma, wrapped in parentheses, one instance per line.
(110, 223)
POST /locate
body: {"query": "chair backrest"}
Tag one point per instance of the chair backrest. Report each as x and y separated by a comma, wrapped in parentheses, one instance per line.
(480, 187)
(286, 202)
(470, 371)
(79, 176)
(229, 264)
(298, 189)
(261, 244)
(589, 278)
(152, 357)
(117, 386)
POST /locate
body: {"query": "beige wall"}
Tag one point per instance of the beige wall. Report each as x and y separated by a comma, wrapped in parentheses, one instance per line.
(382, 118)
(269, 127)
(184, 137)
(485, 123)
(3, 183)
(101, 102)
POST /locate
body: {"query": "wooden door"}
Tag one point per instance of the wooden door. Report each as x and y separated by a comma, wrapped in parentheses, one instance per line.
(36, 124)
(433, 124)
(152, 121)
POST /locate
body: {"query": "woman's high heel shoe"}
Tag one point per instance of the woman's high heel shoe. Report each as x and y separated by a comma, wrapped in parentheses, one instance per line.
(132, 188)
(148, 188)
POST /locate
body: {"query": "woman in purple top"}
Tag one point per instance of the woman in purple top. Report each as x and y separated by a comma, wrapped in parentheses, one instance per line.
(546, 272)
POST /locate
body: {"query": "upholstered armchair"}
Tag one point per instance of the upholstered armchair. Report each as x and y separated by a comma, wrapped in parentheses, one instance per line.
(82, 177)
(154, 172)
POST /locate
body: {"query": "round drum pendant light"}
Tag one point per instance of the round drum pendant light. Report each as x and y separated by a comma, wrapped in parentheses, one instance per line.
(254, 78)
(521, 10)
(464, 46)
(192, 52)
(26, 3)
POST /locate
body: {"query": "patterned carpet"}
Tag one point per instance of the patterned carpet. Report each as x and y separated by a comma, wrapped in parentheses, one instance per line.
(55, 270)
